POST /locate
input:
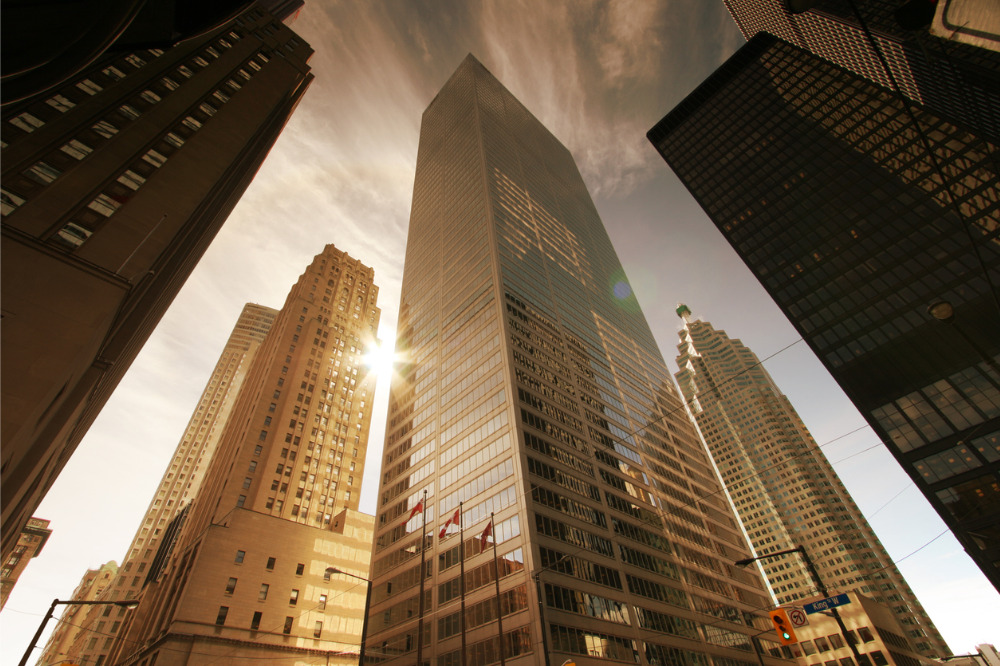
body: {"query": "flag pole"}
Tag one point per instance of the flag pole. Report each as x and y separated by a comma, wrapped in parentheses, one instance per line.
(496, 572)
(420, 612)
(461, 557)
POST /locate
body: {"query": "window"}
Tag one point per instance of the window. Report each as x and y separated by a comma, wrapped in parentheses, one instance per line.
(270, 564)
(131, 180)
(255, 622)
(220, 619)
(60, 103)
(246, 482)
(318, 630)
(253, 465)
(240, 554)
(113, 72)
(76, 149)
(128, 111)
(262, 595)
(288, 625)
(231, 586)
(104, 205)
(241, 500)
(293, 598)
(155, 158)
(299, 568)
(89, 87)
(322, 602)
(42, 172)
(866, 634)
(104, 128)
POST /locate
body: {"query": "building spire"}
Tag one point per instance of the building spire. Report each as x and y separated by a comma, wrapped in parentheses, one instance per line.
(684, 312)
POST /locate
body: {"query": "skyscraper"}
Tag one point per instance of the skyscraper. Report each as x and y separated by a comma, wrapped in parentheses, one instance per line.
(30, 542)
(72, 624)
(785, 491)
(956, 81)
(181, 481)
(258, 569)
(534, 404)
(857, 215)
(113, 187)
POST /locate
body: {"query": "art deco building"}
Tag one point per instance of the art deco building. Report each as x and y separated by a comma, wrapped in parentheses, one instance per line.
(181, 481)
(249, 577)
(113, 186)
(72, 625)
(29, 543)
(785, 491)
(535, 398)
(856, 221)
(956, 81)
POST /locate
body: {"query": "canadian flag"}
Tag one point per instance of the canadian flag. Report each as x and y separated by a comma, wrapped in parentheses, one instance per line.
(448, 523)
(485, 536)
(418, 509)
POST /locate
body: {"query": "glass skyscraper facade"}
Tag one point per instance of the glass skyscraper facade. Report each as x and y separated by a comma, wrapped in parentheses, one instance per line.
(784, 489)
(857, 215)
(957, 81)
(533, 396)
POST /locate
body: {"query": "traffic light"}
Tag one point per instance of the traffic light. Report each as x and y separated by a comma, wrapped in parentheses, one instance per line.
(783, 626)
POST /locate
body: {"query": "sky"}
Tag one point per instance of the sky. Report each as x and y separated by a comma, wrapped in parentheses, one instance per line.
(598, 75)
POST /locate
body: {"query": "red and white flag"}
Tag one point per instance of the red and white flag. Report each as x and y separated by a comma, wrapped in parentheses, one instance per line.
(448, 523)
(485, 536)
(418, 509)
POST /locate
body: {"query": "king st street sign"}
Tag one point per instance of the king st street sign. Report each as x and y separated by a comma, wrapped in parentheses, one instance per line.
(826, 604)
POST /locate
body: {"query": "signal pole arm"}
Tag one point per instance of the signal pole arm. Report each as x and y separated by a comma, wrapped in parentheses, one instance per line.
(819, 586)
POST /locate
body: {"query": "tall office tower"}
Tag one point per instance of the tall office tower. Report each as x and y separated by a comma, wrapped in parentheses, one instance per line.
(785, 491)
(258, 569)
(535, 394)
(70, 626)
(153, 540)
(826, 189)
(956, 81)
(29, 543)
(113, 187)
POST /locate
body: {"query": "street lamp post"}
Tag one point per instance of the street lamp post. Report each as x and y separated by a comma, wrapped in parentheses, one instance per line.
(51, 611)
(368, 600)
(819, 585)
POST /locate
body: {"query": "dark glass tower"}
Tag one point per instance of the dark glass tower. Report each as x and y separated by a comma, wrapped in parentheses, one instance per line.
(856, 216)
(534, 393)
(956, 81)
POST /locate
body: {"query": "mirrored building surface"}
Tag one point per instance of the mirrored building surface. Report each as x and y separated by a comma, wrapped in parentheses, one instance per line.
(534, 402)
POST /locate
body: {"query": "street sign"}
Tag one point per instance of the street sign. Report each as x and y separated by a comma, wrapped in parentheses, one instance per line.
(827, 604)
(796, 617)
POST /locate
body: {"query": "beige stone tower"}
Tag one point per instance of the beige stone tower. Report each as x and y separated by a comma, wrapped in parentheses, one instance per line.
(785, 490)
(248, 577)
(180, 484)
(73, 625)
